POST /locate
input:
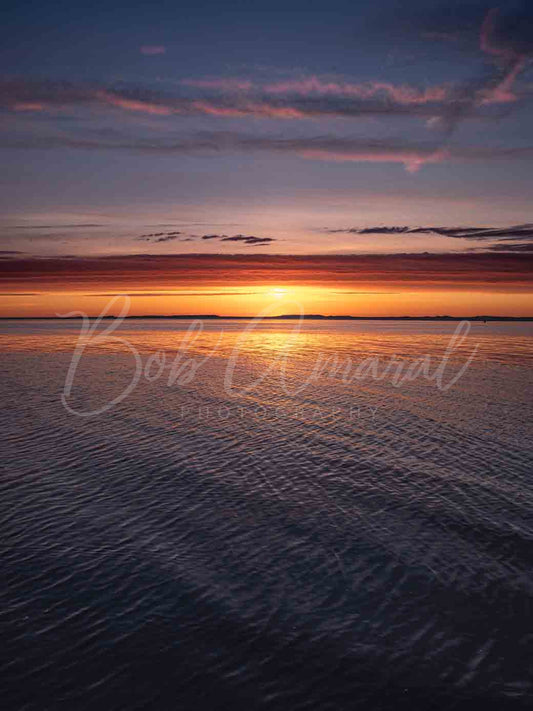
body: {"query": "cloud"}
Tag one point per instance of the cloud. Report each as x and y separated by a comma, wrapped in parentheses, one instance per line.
(516, 238)
(55, 227)
(514, 232)
(512, 247)
(401, 94)
(306, 97)
(410, 157)
(31, 106)
(292, 107)
(247, 239)
(503, 40)
(370, 230)
(179, 293)
(510, 57)
(485, 271)
(486, 38)
(382, 230)
(323, 147)
(161, 237)
(170, 236)
(167, 238)
(151, 49)
(378, 98)
(129, 103)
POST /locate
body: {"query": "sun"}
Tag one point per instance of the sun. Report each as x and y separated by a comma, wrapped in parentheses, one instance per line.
(278, 292)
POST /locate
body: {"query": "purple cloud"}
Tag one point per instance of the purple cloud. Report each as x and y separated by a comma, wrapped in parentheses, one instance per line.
(151, 49)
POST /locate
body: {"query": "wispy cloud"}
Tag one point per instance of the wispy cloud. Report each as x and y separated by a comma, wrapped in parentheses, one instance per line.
(156, 237)
(58, 226)
(306, 97)
(497, 271)
(161, 236)
(401, 94)
(514, 232)
(326, 100)
(495, 87)
(512, 61)
(512, 247)
(443, 106)
(134, 294)
(317, 86)
(151, 49)
(324, 147)
(247, 239)
(167, 238)
(516, 238)
(411, 157)
(366, 101)
(129, 103)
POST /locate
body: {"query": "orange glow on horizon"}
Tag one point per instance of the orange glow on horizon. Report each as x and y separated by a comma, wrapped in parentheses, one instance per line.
(280, 300)
(243, 285)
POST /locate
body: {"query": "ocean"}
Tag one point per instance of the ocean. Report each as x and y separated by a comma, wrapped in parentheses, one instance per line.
(239, 515)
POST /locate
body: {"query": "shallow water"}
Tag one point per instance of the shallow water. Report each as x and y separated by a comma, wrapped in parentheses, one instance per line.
(244, 538)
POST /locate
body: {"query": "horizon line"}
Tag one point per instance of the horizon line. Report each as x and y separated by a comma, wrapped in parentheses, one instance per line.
(311, 317)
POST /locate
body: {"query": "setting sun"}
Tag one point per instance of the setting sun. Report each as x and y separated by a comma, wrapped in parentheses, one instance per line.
(278, 292)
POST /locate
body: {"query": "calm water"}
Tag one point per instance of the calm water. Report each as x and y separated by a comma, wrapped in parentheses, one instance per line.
(244, 539)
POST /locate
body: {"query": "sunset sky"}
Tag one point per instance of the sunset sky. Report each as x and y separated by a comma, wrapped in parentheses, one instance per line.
(218, 157)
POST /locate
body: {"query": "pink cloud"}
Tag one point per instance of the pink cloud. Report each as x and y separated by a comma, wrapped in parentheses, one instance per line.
(28, 106)
(260, 110)
(133, 104)
(151, 49)
(503, 92)
(516, 62)
(402, 94)
(486, 34)
(412, 160)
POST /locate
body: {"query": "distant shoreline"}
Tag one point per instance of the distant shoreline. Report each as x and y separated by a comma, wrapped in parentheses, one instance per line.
(311, 317)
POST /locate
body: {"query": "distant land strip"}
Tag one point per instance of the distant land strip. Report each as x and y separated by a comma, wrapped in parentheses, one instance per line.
(310, 317)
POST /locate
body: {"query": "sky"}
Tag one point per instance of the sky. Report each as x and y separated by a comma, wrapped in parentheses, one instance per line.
(363, 158)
